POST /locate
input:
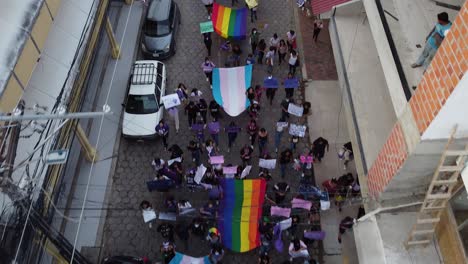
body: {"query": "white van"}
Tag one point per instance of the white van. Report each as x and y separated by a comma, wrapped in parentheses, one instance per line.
(143, 106)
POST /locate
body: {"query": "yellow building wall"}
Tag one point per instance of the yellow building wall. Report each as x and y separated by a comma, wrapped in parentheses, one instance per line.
(54, 6)
(27, 60)
(448, 239)
(41, 28)
(11, 96)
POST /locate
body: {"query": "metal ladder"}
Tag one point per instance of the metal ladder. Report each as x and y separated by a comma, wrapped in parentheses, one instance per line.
(440, 190)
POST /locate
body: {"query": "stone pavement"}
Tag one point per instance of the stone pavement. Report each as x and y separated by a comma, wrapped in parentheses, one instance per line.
(124, 230)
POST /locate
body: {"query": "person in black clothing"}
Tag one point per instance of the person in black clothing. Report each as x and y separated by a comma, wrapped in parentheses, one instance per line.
(250, 93)
(215, 110)
(345, 224)
(191, 110)
(196, 151)
(246, 154)
(167, 231)
(281, 188)
(318, 148)
(236, 53)
(176, 151)
(203, 109)
(261, 51)
(232, 130)
(284, 108)
(182, 232)
(167, 251)
(207, 40)
(198, 228)
(286, 158)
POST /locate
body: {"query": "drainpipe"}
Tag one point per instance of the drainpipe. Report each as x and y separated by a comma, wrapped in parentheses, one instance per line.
(382, 209)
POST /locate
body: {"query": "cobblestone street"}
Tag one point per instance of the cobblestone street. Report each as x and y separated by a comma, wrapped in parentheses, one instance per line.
(125, 233)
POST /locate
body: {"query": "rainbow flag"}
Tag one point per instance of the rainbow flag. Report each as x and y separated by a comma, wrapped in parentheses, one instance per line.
(229, 86)
(228, 22)
(239, 211)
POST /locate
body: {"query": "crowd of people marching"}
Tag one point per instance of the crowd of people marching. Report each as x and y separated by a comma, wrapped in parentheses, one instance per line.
(180, 171)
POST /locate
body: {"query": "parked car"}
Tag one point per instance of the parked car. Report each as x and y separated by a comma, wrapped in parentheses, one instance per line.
(143, 105)
(159, 29)
(125, 260)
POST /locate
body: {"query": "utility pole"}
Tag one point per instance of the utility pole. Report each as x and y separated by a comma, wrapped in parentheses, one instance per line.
(55, 242)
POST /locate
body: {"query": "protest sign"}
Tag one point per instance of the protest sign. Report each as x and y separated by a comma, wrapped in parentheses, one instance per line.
(199, 174)
(270, 83)
(282, 124)
(291, 83)
(149, 215)
(299, 203)
(267, 163)
(170, 100)
(295, 110)
(230, 170)
(169, 162)
(216, 160)
(280, 211)
(285, 224)
(297, 130)
(206, 27)
(246, 171)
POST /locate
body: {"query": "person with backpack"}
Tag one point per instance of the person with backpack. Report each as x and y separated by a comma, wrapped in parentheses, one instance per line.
(207, 68)
(318, 148)
(214, 128)
(286, 158)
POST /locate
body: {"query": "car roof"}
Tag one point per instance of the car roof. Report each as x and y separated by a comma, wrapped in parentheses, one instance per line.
(145, 75)
(159, 10)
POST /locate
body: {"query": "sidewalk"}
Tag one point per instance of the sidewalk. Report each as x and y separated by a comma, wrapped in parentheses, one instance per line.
(327, 121)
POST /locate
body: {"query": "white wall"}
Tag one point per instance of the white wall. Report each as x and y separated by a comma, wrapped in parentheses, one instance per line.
(453, 112)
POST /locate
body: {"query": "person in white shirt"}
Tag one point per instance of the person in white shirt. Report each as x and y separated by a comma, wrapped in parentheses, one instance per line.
(291, 40)
(293, 62)
(298, 249)
(269, 59)
(274, 41)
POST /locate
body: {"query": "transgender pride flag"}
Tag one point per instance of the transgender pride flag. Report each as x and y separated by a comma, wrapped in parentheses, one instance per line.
(229, 87)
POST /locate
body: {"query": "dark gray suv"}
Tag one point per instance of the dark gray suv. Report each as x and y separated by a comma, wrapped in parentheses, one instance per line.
(159, 29)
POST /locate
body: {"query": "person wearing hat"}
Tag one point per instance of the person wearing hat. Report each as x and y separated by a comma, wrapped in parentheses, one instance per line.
(214, 237)
(434, 40)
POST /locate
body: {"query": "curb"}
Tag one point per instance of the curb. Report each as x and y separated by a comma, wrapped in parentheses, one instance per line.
(299, 40)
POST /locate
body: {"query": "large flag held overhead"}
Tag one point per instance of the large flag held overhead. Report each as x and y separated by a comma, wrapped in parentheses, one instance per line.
(229, 86)
(228, 22)
(240, 210)
(180, 258)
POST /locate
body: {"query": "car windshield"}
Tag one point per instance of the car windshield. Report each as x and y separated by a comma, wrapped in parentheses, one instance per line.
(141, 104)
(157, 28)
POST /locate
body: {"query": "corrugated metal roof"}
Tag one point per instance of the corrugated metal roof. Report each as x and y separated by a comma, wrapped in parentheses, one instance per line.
(322, 6)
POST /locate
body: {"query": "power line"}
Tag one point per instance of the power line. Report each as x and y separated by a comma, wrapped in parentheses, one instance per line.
(98, 138)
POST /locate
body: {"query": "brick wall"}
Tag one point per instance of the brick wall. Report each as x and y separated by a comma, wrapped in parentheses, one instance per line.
(444, 73)
(439, 81)
(388, 162)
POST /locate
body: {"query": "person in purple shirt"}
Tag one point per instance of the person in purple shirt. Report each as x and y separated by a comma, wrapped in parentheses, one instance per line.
(199, 130)
(213, 128)
(162, 129)
(232, 130)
